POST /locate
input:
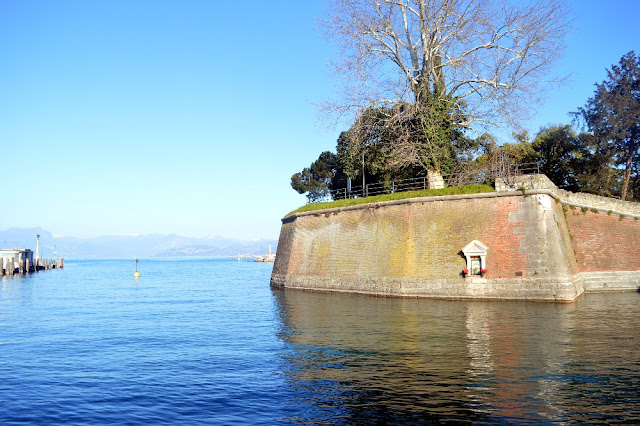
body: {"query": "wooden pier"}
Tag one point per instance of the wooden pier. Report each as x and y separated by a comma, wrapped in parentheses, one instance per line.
(11, 267)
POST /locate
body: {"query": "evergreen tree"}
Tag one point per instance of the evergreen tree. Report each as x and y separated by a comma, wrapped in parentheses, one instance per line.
(560, 153)
(613, 116)
(320, 178)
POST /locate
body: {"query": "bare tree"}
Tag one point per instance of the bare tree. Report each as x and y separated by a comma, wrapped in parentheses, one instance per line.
(462, 64)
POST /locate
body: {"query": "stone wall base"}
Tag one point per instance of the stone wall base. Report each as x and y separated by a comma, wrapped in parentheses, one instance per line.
(598, 282)
(542, 289)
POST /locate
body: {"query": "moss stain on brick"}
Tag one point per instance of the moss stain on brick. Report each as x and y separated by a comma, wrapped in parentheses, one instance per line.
(423, 240)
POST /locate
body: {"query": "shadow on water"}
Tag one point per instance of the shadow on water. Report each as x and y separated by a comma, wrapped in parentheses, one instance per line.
(356, 359)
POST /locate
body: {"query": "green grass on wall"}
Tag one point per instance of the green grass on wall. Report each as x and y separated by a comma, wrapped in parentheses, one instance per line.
(454, 190)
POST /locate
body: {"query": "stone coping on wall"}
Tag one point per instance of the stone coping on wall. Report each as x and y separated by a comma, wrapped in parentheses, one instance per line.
(576, 199)
(603, 204)
(416, 200)
(579, 200)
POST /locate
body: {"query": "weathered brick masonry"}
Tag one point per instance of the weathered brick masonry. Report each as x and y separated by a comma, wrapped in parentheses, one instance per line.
(604, 242)
(412, 240)
(538, 248)
(413, 248)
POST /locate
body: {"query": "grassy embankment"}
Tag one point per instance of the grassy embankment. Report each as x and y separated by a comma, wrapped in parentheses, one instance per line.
(454, 190)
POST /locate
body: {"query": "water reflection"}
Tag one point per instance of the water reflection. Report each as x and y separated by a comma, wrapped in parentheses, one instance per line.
(360, 359)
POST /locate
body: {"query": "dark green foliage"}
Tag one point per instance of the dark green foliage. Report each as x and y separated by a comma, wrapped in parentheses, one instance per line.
(496, 160)
(433, 123)
(573, 161)
(596, 172)
(560, 153)
(317, 180)
(405, 141)
(367, 148)
(612, 115)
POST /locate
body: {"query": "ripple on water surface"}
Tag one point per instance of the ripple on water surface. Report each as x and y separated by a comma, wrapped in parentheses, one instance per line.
(207, 341)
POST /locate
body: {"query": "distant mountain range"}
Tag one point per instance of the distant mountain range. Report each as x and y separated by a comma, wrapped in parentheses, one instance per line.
(114, 246)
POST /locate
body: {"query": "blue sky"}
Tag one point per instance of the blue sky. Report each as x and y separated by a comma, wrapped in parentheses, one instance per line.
(189, 117)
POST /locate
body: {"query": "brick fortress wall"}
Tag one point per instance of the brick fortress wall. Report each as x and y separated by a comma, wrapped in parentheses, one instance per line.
(417, 240)
(606, 248)
(544, 244)
(604, 234)
(413, 247)
(604, 242)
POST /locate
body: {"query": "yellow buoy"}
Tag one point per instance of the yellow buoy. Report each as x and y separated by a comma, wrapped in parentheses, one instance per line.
(136, 274)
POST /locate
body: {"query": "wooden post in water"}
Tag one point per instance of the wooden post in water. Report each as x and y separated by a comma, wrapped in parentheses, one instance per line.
(27, 268)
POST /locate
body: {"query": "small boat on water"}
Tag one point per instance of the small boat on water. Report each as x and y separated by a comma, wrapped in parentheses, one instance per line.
(270, 257)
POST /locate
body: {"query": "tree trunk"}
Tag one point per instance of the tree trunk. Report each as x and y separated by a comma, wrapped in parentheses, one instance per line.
(627, 175)
(435, 180)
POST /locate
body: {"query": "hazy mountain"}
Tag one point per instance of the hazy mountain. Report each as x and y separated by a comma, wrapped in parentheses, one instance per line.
(253, 248)
(130, 246)
(25, 238)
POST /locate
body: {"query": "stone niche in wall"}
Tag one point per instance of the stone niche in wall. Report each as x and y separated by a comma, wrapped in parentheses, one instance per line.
(476, 254)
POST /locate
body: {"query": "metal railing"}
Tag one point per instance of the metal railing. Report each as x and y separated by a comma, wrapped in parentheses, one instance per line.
(506, 172)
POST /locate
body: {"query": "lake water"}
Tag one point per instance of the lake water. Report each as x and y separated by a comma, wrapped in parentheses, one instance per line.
(206, 341)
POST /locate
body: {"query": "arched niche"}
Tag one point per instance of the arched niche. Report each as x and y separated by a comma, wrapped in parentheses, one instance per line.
(476, 254)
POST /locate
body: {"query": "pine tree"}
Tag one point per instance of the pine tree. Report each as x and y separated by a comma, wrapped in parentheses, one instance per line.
(613, 114)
